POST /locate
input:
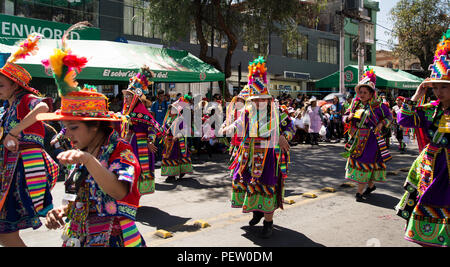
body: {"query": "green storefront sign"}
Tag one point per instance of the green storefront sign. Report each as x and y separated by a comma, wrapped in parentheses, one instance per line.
(13, 29)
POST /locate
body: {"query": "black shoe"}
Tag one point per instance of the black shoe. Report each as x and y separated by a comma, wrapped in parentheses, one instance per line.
(257, 216)
(170, 179)
(359, 197)
(369, 190)
(267, 229)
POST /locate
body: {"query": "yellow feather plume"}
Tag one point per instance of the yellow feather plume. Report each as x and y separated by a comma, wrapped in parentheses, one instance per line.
(26, 47)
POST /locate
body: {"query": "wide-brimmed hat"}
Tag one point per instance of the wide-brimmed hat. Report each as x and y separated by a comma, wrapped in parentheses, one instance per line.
(84, 105)
(368, 79)
(440, 69)
(257, 80)
(17, 73)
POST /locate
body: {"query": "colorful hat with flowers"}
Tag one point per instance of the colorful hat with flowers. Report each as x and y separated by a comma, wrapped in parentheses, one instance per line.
(139, 84)
(257, 79)
(138, 87)
(368, 79)
(17, 73)
(440, 69)
(76, 103)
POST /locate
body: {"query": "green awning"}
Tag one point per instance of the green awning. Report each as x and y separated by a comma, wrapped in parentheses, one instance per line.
(114, 61)
(386, 78)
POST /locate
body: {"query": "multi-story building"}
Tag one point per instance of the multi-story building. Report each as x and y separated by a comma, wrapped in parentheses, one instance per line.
(291, 69)
(389, 60)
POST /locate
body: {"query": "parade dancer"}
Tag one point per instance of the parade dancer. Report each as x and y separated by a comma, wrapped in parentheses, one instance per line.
(140, 129)
(27, 172)
(176, 158)
(399, 130)
(102, 196)
(366, 149)
(426, 202)
(260, 164)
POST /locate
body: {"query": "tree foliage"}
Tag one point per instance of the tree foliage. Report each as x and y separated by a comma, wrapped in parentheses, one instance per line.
(419, 25)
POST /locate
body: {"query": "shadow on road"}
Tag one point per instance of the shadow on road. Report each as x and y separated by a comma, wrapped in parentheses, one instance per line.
(382, 200)
(282, 237)
(155, 217)
(164, 187)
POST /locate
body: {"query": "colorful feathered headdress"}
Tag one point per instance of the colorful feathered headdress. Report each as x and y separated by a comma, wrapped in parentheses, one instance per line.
(257, 79)
(139, 84)
(138, 88)
(76, 103)
(64, 64)
(440, 69)
(368, 79)
(17, 73)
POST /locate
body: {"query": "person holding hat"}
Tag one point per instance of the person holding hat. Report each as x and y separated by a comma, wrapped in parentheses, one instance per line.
(176, 158)
(27, 172)
(101, 189)
(426, 202)
(141, 129)
(366, 150)
(261, 163)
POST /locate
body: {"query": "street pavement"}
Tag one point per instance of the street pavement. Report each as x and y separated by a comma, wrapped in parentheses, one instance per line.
(329, 220)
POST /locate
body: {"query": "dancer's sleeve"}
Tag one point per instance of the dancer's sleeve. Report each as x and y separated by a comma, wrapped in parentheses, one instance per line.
(152, 133)
(387, 120)
(287, 130)
(410, 116)
(124, 164)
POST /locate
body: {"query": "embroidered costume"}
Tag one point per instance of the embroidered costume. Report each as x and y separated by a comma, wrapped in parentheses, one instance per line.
(366, 150)
(26, 177)
(97, 219)
(426, 202)
(176, 158)
(94, 218)
(259, 166)
(140, 128)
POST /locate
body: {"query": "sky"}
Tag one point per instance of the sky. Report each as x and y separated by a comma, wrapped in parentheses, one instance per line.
(383, 15)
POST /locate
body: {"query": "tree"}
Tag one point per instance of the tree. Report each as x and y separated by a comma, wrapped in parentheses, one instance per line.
(249, 21)
(419, 25)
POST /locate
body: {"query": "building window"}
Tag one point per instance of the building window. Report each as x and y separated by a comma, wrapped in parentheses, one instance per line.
(134, 21)
(127, 17)
(297, 47)
(8, 7)
(69, 12)
(327, 51)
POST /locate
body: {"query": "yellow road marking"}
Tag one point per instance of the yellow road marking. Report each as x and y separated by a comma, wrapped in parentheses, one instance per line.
(232, 217)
